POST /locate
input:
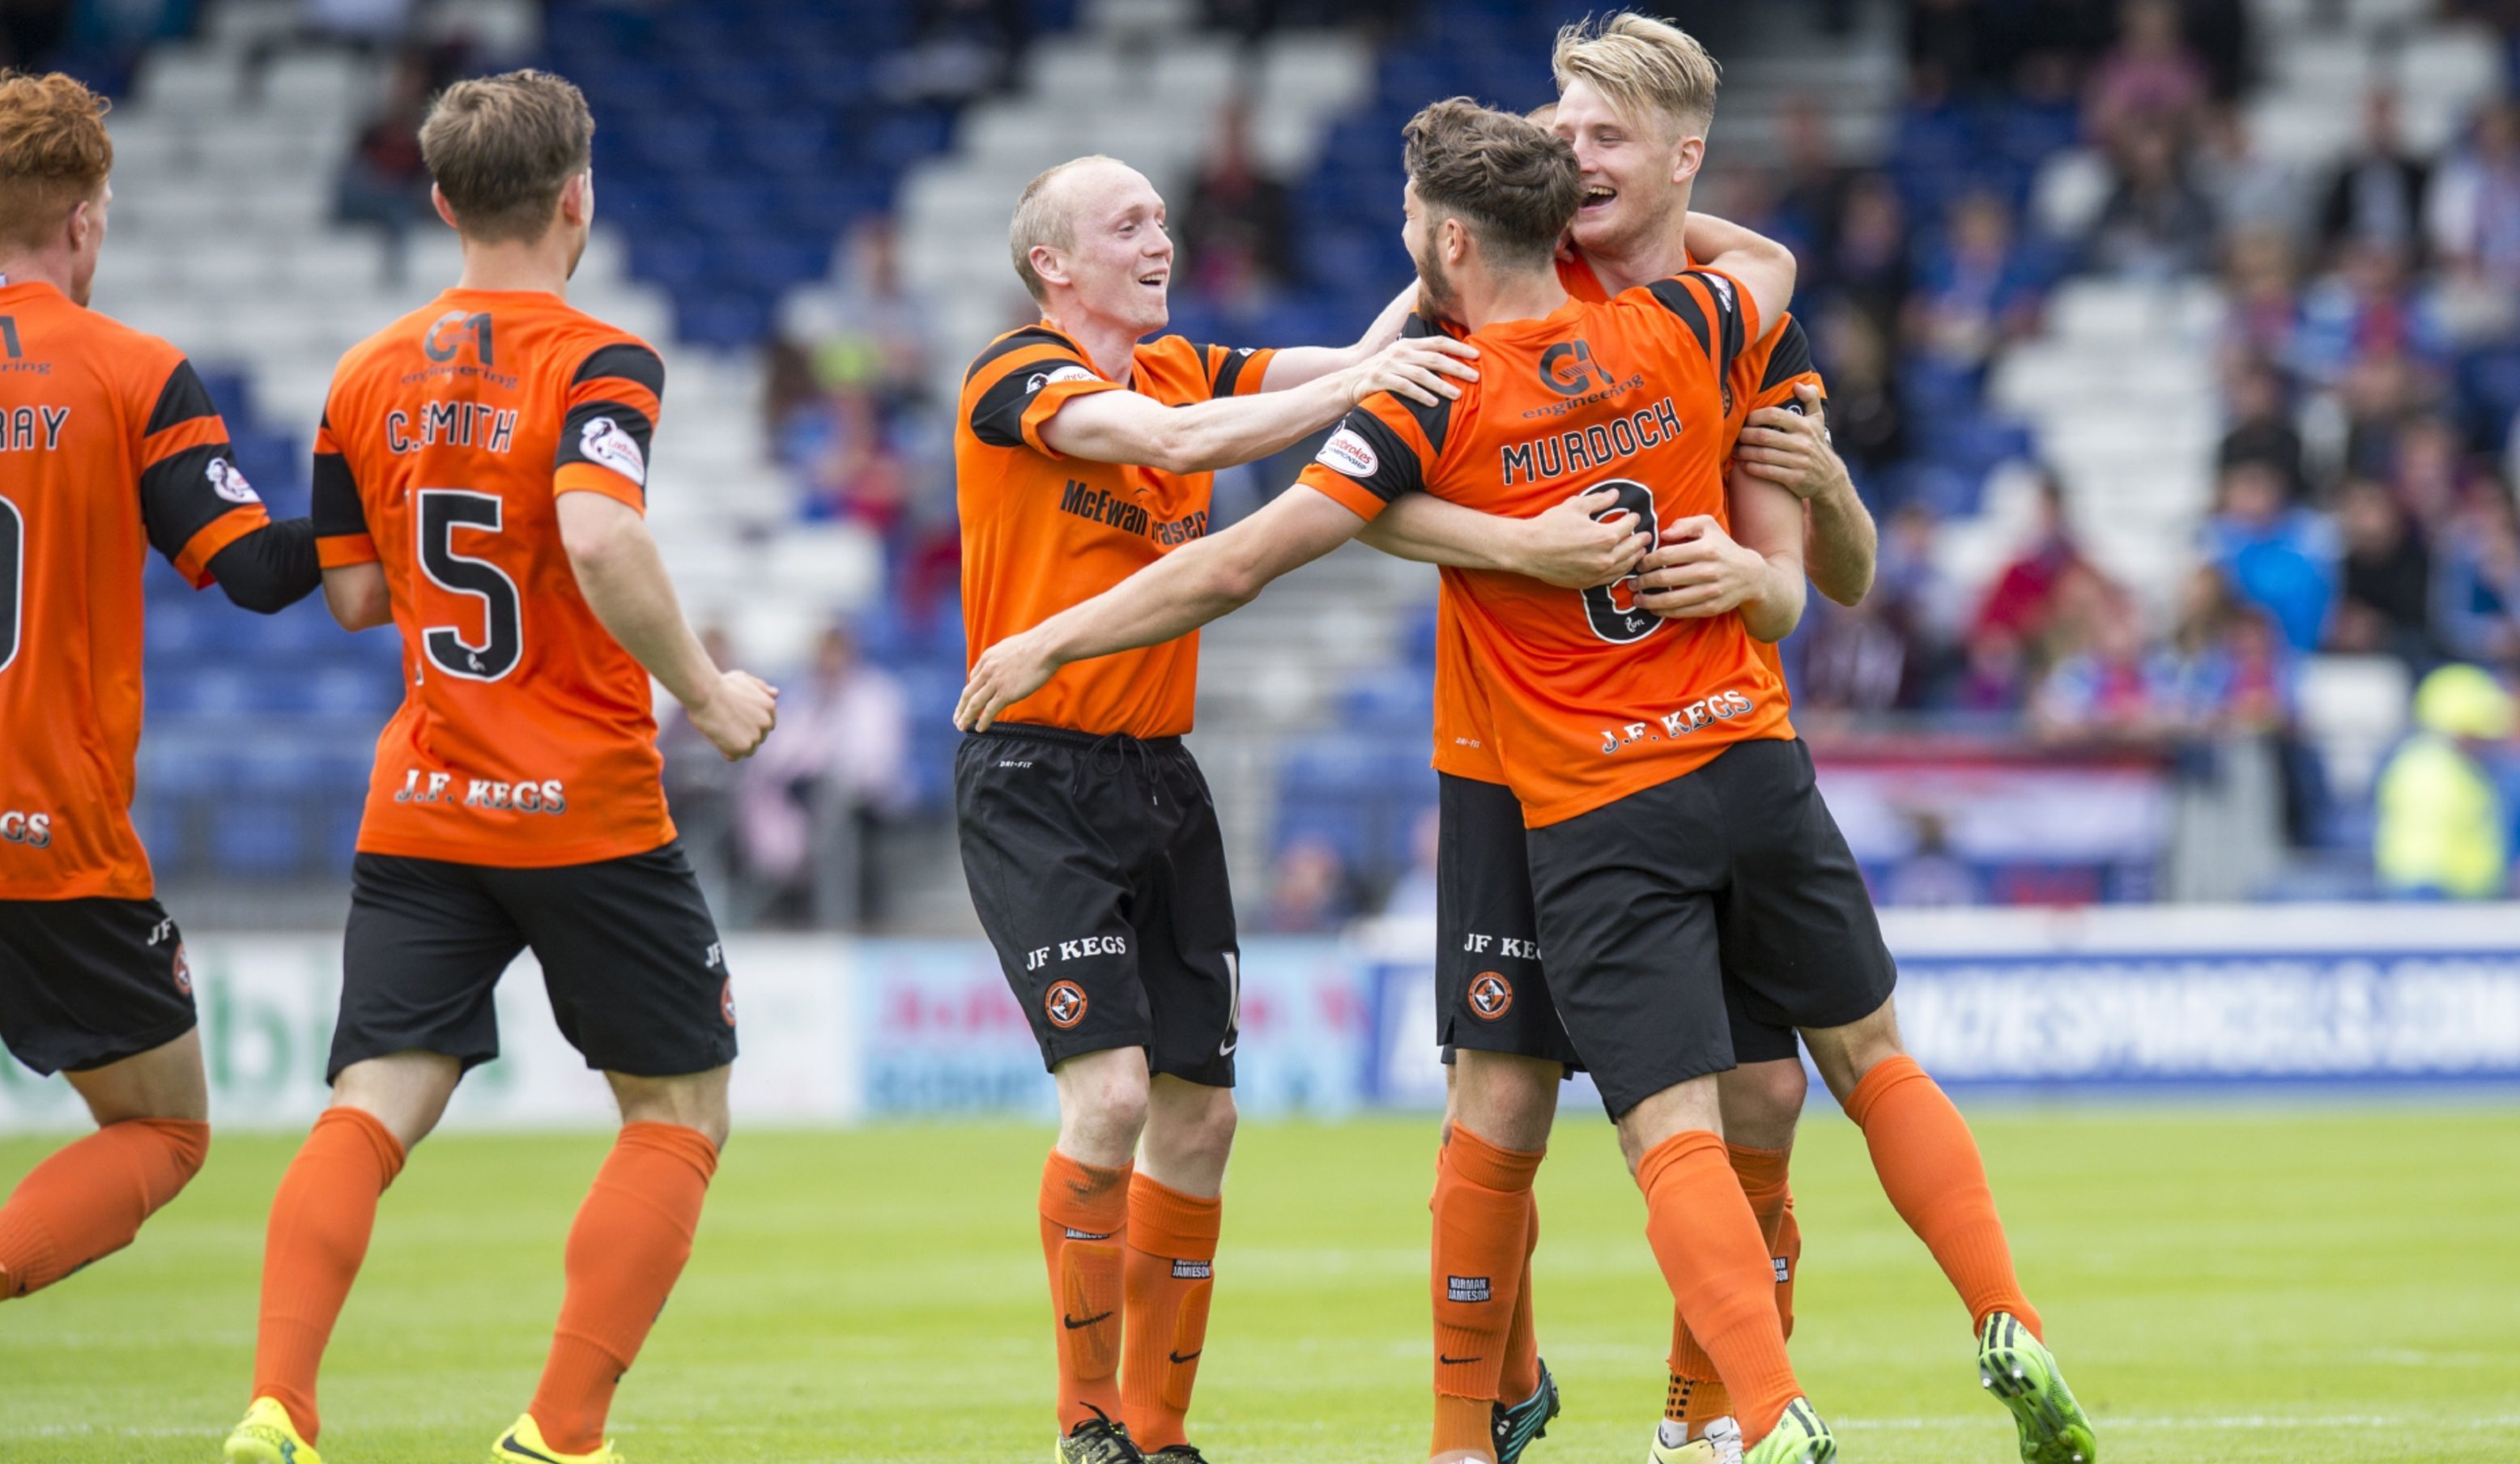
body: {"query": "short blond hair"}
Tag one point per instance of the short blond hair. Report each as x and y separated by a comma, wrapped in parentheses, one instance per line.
(1641, 67)
(1044, 220)
(502, 148)
(54, 154)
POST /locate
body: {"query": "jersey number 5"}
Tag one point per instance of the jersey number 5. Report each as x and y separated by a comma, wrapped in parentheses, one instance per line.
(443, 511)
(1618, 624)
(13, 580)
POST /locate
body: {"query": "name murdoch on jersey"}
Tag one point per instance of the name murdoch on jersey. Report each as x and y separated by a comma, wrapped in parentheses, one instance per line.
(1536, 460)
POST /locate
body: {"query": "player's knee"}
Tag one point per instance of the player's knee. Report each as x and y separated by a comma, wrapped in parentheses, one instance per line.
(188, 1146)
(1844, 1054)
(1211, 1130)
(1105, 1106)
(1763, 1102)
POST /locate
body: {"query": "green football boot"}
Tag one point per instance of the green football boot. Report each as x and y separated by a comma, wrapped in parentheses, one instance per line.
(1514, 1428)
(2017, 1368)
(1799, 1437)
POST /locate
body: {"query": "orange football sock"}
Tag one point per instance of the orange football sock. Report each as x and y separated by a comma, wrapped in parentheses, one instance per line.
(1083, 1233)
(625, 1251)
(320, 1222)
(1929, 1167)
(1482, 1219)
(1696, 1395)
(88, 1199)
(1708, 1244)
(1521, 1376)
(1170, 1271)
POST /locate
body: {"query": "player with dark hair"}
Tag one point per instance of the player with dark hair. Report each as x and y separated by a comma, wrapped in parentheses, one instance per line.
(1595, 734)
(480, 483)
(113, 449)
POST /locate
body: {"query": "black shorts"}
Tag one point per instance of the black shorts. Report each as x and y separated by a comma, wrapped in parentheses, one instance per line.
(1099, 873)
(1648, 905)
(88, 982)
(1491, 993)
(631, 960)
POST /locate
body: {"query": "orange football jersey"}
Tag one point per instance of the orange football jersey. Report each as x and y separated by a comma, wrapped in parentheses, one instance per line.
(528, 736)
(1042, 531)
(1588, 696)
(1764, 374)
(109, 447)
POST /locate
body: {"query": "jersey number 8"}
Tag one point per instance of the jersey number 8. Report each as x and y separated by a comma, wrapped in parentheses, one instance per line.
(443, 511)
(13, 580)
(1618, 624)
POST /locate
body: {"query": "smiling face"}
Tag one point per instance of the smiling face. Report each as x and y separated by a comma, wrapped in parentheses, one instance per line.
(1637, 172)
(1118, 263)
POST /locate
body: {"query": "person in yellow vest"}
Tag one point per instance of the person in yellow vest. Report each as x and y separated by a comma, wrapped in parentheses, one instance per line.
(2443, 829)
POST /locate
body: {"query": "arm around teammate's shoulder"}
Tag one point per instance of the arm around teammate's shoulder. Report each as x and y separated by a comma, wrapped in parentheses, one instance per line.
(1176, 595)
(1764, 268)
(1123, 427)
(624, 581)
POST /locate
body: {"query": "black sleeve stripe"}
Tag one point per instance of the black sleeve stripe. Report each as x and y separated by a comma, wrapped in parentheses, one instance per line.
(1727, 309)
(627, 421)
(1397, 469)
(337, 511)
(1434, 420)
(997, 418)
(178, 497)
(181, 400)
(627, 361)
(1230, 374)
(1789, 358)
(1677, 299)
(1026, 338)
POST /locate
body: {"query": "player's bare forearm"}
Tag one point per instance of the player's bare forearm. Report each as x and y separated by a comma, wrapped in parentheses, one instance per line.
(1166, 600)
(1772, 612)
(624, 581)
(357, 595)
(1567, 546)
(1122, 427)
(1840, 543)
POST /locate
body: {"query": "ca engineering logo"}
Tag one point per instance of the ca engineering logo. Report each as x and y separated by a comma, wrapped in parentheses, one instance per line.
(1568, 369)
(1064, 1004)
(447, 335)
(1491, 995)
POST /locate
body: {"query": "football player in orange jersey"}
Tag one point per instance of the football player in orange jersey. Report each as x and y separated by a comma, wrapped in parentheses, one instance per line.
(480, 481)
(1614, 393)
(112, 448)
(1095, 859)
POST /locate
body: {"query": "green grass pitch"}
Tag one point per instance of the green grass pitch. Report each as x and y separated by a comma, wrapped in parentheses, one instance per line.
(2313, 1283)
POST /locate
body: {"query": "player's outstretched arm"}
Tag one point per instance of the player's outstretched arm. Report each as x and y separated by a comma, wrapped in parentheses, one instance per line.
(1164, 601)
(270, 569)
(1791, 449)
(1571, 545)
(623, 579)
(357, 595)
(1700, 571)
(1297, 365)
(1122, 427)
(1764, 268)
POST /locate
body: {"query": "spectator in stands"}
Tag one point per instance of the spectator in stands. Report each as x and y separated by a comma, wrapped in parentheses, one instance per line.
(2246, 189)
(872, 326)
(1866, 265)
(2376, 195)
(2477, 581)
(2151, 78)
(1811, 200)
(1978, 292)
(1310, 890)
(2428, 467)
(2156, 224)
(2262, 428)
(2279, 557)
(2385, 605)
(2474, 219)
(2225, 671)
(2381, 398)
(812, 811)
(384, 183)
(1236, 232)
(1865, 422)
(2367, 307)
(2442, 829)
(1930, 876)
(2109, 687)
(2022, 601)
(1413, 891)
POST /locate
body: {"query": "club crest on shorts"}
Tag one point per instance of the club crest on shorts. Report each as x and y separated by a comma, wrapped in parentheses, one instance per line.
(1064, 1004)
(726, 1001)
(1491, 995)
(182, 971)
